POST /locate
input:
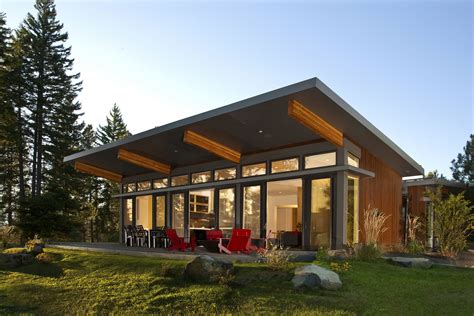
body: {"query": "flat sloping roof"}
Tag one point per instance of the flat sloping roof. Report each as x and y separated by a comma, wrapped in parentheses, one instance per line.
(251, 125)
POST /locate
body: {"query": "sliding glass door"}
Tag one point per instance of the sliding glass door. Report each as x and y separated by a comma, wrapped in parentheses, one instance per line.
(226, 213)
(321, 213)
(252, 202)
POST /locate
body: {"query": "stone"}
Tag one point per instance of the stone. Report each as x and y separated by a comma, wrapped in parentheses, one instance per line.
(16, 260)
(304, 257)
(407, 262)
(306, 280)
(328, 279)
(205, 269)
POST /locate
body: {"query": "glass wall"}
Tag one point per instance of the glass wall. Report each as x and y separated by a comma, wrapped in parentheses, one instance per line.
(257, 169)
(285, 165)
(177, 202)
(226, 211)
(320, 234)
(352, 233)
(352, 160)
(179, 180)
(225, 174)
(143, 211)
(201, 177)
(320, 160)
(201, 209)
(251, 205)
(128, 212)
(160, 210)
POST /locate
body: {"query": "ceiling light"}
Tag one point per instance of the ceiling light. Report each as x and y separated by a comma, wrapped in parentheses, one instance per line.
(260, 131)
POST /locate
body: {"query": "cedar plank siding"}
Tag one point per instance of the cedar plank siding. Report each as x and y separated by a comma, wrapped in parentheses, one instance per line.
(384, 192)
(416, 207)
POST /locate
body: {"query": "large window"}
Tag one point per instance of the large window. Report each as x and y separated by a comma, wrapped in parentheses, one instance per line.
(226, 211)
(321, 212)
(160, 210)
(320, 160)
(257, 169)
(352, 160)
(352, 233)
(144, 186)
(201, 177)
(143, 211)
(225, 174)
(285, 165)
(179, 180)
(129, 187)
(252, 209)
(201, 209)
(178, 213)
(128, 212)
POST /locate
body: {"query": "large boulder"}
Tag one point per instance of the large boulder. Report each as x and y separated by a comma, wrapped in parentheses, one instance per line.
(205, 268)
(327, 279)
(411, 262)
(306, 280)
(11, 261)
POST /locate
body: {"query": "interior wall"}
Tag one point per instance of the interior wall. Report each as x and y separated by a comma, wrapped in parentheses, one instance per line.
(279, 201)
(384, 192)
(144, 211)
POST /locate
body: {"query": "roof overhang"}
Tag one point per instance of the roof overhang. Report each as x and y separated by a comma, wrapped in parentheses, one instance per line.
(252, 125)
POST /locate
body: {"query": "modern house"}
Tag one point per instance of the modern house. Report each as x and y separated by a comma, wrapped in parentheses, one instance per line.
(296, 160)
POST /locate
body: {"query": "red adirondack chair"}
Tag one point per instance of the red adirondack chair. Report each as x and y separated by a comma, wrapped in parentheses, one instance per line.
(214, 234)
(178, 243)
(238, 242)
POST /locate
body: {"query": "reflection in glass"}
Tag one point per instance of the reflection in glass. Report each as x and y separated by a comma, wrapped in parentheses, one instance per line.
(160, 210)
(129, 187)
(320, 212)
(201, 177)
(252, 210)
(160, 183)
(352, 210)
(143, 186)
(178, 213)
(226, 211)
(225, 174)
(201, 209)
(257, 169)
(128, 212)
(179, 180)
(143, 205)
(285, 165)
(320, 160)
(352, 160)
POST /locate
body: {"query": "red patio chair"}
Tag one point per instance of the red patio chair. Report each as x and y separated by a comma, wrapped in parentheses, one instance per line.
(214, 234)
(178, 243)
(238, 242)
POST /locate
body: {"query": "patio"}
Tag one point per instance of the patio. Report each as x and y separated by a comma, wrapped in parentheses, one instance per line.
(118, 248)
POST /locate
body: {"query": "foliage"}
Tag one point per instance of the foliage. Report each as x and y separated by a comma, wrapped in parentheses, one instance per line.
(373, 225)
(453, 221)
(414, 226)
(45, 257)
(32, 245)
(7, 235)
(367, 252)
(15, 250)
(463, 165)
(435, 175)
(321, 254)
(275, 257)
(97, 283)
(340, 267)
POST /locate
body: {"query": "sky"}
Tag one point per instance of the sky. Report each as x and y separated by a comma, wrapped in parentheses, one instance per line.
(407, 66)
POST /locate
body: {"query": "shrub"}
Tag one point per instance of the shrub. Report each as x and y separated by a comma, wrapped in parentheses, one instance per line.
(374, 221)
(45, 257)
(367, 252)
(322, 254)
(414, 226)
(453, 222)
(14, 250)
(7, 235)
(340, 267)
(276, 258)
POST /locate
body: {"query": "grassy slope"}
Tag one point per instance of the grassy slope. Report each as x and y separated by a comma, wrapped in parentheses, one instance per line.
(79, 282)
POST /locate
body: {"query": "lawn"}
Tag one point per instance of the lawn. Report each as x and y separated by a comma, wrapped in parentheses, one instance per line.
(83, 282)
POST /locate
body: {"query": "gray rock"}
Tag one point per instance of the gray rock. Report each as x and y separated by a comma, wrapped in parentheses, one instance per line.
(329, 279)
(206, 268)
(306, 280)
(36, 249)
(411, 262)
(305, 257)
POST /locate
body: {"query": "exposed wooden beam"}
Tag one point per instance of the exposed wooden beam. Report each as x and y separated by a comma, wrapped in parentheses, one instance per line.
(306, 117)
(98, 172)
(142, 161)
(214, 147)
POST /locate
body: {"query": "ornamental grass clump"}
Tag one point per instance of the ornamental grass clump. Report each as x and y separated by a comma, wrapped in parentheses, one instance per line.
(453, 222)
(414, 226)
(275, 257)
(373, 227)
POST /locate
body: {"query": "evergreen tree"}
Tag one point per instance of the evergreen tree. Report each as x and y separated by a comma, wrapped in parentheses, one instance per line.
(463, 166)
(108, 215)
(53, 106)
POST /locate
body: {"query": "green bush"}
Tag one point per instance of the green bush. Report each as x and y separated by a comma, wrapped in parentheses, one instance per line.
(14, 250)
(453, 222)
(415, 246)
(367, 252)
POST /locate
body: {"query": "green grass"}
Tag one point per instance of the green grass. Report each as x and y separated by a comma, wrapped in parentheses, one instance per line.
(82, 282)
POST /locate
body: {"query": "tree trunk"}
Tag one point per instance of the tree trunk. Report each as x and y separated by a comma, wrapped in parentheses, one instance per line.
(21, 171)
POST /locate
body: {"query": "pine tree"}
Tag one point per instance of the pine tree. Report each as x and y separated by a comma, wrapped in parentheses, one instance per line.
(463, 166)
(107, 218)
(54, 109)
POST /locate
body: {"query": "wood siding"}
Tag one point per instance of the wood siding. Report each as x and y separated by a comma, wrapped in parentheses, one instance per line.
(384, 192)
(416, 206)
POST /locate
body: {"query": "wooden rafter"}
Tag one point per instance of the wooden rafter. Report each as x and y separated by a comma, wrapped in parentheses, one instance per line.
(308, 118)
(142, 161)
(98, 172)
(211, 146)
